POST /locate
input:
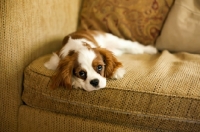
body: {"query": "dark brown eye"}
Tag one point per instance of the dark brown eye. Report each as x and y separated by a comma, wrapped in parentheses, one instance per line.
(99, 67)
(82, 74)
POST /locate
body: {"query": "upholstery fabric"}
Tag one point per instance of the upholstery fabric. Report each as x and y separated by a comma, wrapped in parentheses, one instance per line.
(158, 91)
(181, 30)
(46, 121)
(28, 29)
(137, 20)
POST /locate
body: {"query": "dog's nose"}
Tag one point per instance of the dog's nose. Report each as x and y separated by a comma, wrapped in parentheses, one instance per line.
(94, 82)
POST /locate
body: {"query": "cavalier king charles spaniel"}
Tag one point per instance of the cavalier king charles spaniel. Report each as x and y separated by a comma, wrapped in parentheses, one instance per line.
(87, 58)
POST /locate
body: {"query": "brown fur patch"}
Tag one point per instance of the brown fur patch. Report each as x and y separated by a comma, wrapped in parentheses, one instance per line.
(64, 72)
(86, 34)
(112, 64)
(87, 45)
(71, 52)
(98, 61)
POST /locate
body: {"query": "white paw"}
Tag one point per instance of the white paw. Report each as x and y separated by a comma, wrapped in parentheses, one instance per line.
(52, 64)
(150, 50)
(137, 50)
(119, 73)
(76, 84)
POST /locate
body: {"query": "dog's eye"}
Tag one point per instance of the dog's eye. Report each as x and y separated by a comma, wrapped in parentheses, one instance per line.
(82, 73)
(99, 67)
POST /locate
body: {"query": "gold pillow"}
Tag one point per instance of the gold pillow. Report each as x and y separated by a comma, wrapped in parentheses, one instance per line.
(181, 31)
(139, 20)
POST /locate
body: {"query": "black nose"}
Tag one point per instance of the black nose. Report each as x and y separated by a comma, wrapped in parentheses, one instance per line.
(94, 82)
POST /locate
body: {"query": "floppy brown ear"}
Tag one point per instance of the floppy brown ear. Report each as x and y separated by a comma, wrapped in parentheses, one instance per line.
(112, 64)
(64, 72)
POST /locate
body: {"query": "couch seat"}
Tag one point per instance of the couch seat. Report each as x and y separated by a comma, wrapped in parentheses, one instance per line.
(159, 91)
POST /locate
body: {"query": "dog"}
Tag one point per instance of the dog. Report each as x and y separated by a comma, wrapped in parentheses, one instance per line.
(87, 58)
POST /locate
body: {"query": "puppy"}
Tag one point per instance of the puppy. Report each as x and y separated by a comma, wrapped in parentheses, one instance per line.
(87, 58)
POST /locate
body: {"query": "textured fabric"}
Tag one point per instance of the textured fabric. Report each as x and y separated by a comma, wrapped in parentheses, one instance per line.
(139, 20)
(159, 91)
(45, 121)
(181, 30)
(28, 29)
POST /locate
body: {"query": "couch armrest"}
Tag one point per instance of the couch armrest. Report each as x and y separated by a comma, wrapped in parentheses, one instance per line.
(28, 29)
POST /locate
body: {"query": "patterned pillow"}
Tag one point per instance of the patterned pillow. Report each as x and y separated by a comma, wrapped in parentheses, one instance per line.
(139, 20)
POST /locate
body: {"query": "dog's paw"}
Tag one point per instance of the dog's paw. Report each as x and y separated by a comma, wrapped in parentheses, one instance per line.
(150, 49)
(136, 48)
(137, 51)
(76, 84)
(119, 73)
(52, 64)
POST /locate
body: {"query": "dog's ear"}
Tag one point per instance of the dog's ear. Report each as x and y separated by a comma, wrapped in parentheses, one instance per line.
(64, 72)
(112, 64)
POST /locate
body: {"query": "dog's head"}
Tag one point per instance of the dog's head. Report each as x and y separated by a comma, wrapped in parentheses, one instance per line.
(87, 69)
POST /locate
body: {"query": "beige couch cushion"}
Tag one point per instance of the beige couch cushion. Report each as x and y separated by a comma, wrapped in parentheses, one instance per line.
(181, 31)
(159, 91)
(47, 121)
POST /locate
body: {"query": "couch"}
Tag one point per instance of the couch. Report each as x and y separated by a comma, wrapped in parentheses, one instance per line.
(159, 92)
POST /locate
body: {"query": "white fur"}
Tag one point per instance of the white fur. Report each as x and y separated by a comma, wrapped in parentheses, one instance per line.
(121, 46)
(119, 73)
(52, 64)
(73, 44)
(113, 43)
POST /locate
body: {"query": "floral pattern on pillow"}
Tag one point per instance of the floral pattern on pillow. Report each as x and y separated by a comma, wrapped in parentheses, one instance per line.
(136, 20)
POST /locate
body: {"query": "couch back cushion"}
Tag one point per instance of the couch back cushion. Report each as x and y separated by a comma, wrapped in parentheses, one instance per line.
(139, 20)
(181, 30)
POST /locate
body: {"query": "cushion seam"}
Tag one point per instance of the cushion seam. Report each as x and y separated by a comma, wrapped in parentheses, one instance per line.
(128, 89)
(110, 109)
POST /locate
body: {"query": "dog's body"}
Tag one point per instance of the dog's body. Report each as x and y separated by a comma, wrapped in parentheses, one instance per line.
(86, 59)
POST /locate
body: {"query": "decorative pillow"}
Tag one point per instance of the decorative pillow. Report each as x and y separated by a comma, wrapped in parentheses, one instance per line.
(139, 20)
(181, 31)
